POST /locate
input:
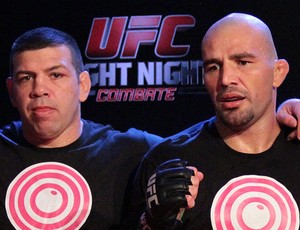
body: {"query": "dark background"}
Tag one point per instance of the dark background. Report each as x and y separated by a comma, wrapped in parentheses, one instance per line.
(164, 118)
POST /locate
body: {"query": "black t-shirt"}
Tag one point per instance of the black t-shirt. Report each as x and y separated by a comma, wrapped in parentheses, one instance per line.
(239, 191)
(82, 185)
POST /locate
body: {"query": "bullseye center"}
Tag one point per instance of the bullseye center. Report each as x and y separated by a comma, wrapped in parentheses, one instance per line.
(256, 215)
(49, 200)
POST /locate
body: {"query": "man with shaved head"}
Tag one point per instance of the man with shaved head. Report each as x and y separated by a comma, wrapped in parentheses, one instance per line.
(242, 73)
(249, 173)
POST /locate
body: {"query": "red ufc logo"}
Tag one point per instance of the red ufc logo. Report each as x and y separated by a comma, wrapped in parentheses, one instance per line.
(116, 36)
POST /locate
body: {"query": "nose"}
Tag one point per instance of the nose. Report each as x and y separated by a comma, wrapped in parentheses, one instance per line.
(39, 87)
(228, 75)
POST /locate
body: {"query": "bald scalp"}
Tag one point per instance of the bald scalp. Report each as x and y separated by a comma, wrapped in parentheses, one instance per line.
(245, 23)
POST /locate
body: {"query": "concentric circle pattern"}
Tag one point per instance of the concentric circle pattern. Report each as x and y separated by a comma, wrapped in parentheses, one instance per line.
(48, 196)
(254, 202)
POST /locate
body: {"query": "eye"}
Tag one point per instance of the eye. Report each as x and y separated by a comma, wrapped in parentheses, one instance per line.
(23, 77)
(211, 68)
(242, 62)
(26, 78)
(56, 75)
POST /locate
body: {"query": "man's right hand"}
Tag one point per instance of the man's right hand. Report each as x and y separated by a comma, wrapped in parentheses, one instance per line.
(171, 189)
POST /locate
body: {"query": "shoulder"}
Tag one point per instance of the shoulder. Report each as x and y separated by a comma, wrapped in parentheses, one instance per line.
(140, 135)
(131, 136)
(183, 143)
(12, 128)
(201, 130)
(12, 132)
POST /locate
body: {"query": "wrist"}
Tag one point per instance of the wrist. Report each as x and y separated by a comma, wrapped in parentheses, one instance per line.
(143, 223)
(149, 223)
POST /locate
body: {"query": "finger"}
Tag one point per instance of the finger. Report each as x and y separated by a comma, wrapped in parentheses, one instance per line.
(176, 187)
(298, 130)
(180, 214)
(193, 189)
(195, 170)
(290, 121)
(295, 134)
(176, 200)
(174, 163)
(190, 201)
(195, 180)
(286, 114)
(175, 174)
(287, 119)
(197, 173)
(292, 135)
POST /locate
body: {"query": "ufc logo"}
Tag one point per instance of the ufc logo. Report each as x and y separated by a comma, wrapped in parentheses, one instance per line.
(123, 36)
(151, 191)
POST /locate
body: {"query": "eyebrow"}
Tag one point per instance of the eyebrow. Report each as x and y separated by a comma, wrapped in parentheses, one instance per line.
(55, 67)
(27, 72)
(231, 57)
(46, 70)
(242, 55)
(211, 61)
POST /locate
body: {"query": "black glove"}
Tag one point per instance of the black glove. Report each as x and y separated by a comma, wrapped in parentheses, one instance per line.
(165, 196)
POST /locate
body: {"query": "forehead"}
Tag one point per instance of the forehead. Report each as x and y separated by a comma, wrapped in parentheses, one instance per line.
(238, 37)
(42, 57)
(61, 51)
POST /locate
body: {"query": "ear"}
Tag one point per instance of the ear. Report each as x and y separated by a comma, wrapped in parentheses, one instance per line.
(281, 70)
(10, 89)
(85, 85)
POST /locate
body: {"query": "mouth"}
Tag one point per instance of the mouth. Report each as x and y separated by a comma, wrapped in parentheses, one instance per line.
(42, 111)
(230, 100)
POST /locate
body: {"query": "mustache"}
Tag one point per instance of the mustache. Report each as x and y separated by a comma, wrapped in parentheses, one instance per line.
(38, 104)
(231, 92)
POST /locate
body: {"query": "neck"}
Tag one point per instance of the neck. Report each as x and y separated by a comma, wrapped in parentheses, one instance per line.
(54, 140)
(252, 139)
